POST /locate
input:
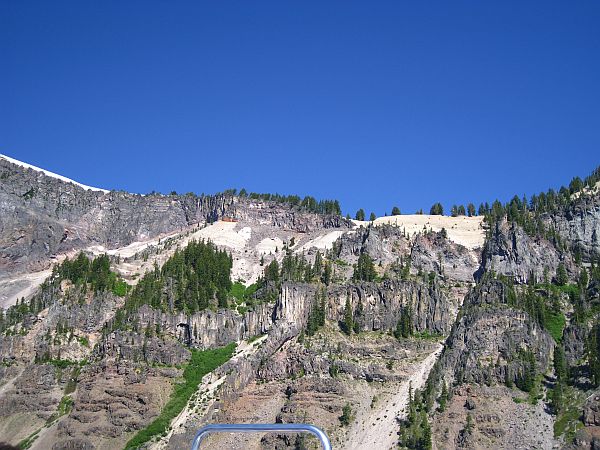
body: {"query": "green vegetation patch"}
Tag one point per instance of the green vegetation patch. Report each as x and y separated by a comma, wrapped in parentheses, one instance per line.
(120, 288)
(60, 363)
(255, 338)
(243, 294)
(83, 340)
(96, 272)
(64, 407)
(415, 430)
(427, 335)
(569, 289)
(201, 363)
(568, 420)
(29, 440)
(555, 324)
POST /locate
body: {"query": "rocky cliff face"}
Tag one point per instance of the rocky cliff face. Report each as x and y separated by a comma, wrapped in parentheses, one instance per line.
(580, 226)
(491, 348)
(375, 306)
(282, 216)
(428, 251)
(385, 244)
(485, 343)
(495, 343)
(510, 251)
(42, 217)
(589, 436)
(134, 369)
(433, 252)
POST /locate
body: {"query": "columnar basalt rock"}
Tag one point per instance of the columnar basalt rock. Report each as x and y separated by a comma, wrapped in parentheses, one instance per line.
(282, 216)
(381, 304)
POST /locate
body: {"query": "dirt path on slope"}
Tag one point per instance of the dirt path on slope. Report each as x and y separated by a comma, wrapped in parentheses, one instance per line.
(378, 430)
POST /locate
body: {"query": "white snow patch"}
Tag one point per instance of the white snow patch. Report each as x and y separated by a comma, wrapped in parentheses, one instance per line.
(51, 174)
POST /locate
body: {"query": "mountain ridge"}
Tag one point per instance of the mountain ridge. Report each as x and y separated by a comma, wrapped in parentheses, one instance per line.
(332, 319)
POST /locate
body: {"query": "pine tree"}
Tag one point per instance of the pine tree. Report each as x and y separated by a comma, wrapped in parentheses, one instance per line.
(443, 397)
(357, 315)
(469, 425)
(316, 317)
(404, 326)
(556, 397)
(471, 209)
(526, 380)
(593, 354)
(426, 440)
(348, 324)
(360, 214)
(365, 269)
(437, 209)
(576, 185)
(372, 217)
(560, 363)
(272, 272)
(318, 265)
(405, 273)
(312, 324)
(327, 273)
(347, 415)
(322, 309)
(415, 432)
(584, 279)
(396, 211)
(561, 275)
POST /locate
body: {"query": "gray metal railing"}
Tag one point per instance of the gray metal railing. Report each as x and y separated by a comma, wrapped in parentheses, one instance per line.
(260, 427)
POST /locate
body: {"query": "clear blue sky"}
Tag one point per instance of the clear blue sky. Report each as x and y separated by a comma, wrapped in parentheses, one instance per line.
(373, 103)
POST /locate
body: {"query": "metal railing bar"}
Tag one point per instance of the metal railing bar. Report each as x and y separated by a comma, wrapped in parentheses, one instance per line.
(259, 428)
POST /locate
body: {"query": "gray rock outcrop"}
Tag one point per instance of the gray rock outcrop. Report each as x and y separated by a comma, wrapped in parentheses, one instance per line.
(486, 343)
(512, 252)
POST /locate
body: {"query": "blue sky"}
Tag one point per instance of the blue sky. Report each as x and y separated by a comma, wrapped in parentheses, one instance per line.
(373, 103)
